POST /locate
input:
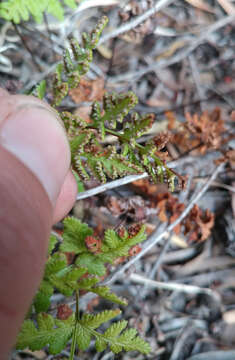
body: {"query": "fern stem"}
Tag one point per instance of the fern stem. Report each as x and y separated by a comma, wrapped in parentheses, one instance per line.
(77, 305)
(73, 345)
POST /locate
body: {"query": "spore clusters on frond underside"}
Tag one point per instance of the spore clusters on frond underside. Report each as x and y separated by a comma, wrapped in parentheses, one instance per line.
(92, 157)
(76, 62)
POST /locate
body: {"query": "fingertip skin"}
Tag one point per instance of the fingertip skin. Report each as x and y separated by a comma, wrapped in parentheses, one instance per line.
(25, 224)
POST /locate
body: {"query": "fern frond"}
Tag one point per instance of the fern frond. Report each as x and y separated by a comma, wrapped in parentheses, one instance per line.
(94, 321)
(52, 243)
(76, 62)
(94, 265)
(106, 293)
(66, 281)
(115, 108)
(61, 276)
(56, 333)
(112, 247)
(18, 10)
(41, 300)
(74, 236)
(117, 339)
(45, 334)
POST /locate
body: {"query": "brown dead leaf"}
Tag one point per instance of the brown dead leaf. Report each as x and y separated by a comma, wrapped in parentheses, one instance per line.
(171, 119)
(143, 186)
(229, 156)
(117, 206)
(196, 225)
(207, 128)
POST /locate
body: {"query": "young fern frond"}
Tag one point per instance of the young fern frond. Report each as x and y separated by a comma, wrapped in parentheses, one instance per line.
(81, 275)
(21, 10)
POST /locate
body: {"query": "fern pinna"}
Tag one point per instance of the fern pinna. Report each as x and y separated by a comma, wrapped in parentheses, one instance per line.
(88, 266)
(20, 10)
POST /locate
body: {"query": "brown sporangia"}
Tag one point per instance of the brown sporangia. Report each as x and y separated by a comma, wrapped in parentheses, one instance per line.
(63, 312)
(134, 250)
(93, 244)
(133, 230)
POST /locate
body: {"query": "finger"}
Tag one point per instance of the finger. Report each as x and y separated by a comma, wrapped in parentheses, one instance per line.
(34, 158)
(25, 223)
(32, 132)
(66, 198)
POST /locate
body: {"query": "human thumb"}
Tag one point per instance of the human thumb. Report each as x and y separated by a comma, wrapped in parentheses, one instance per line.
(34, 161)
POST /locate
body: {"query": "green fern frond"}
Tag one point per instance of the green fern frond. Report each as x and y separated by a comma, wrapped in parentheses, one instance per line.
(56, 334)
(52, 243)
(113, 246)
(66, 281)
(94, 265)
(119, 339)
(41, 300)
(94, 321)
(92, 159)
(61, 276)
(20, 10)
(45, 334)
(115, 107)
(106, 293)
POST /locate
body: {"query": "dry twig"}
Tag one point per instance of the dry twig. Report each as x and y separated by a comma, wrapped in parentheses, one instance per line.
(137, 21)
(133, 76)
(189, 289)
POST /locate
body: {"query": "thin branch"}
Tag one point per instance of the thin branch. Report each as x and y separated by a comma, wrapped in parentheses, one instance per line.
(137, 21)
(196, 78)
(37, 66)
(189, 289)
(153, 239)
(110, 185)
